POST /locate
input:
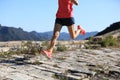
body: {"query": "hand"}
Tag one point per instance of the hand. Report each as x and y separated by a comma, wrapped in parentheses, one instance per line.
(75, 2)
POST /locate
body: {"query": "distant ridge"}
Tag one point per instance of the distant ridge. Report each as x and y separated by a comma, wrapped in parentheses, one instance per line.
(16, 34)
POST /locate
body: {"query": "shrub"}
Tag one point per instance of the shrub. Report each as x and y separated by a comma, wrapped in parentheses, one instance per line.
(108, 41)
(5, 54)
(34, 50)
(61, 48)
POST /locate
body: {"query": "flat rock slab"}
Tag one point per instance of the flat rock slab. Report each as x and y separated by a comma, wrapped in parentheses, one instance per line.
(81, 64)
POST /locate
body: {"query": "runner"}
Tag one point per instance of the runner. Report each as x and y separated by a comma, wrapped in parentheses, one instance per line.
(64, 17)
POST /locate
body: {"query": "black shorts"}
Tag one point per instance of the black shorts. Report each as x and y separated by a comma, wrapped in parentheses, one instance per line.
(65, 21)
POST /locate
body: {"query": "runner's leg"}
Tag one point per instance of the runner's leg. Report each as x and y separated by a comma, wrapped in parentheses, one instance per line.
(57, 29)
(72, 32)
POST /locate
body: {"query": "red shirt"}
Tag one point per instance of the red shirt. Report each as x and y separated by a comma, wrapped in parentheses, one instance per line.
(65, 9)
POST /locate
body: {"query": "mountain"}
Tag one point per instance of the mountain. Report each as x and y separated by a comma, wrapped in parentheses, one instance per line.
(42, 36)
(11, 33)
(63, 35)
(16, 34)
(113, 29)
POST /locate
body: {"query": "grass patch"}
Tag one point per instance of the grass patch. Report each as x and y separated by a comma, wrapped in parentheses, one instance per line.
(62, 48)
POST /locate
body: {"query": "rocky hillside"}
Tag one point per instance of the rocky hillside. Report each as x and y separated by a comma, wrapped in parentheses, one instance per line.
(113, 29)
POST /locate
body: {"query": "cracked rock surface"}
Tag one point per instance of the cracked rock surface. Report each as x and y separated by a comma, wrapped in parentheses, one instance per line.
(81, 64)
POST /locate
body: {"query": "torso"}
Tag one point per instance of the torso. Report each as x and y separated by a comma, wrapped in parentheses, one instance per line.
(65, 9)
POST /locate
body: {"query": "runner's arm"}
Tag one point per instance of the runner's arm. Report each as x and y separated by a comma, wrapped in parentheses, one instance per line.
(75, 2)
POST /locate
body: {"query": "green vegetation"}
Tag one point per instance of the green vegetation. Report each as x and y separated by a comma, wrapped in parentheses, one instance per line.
(61, 48)
(31, 48)
(34, 48)
(26, 48)
(5, 54)
(108, 41)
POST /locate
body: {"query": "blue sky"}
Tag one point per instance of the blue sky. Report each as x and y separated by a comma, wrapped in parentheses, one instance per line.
(39, 15)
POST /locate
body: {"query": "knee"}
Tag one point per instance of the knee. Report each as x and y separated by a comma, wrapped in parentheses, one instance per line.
(56, 35)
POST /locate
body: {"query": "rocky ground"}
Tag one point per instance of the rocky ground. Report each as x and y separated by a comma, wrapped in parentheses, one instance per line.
(81, 64)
